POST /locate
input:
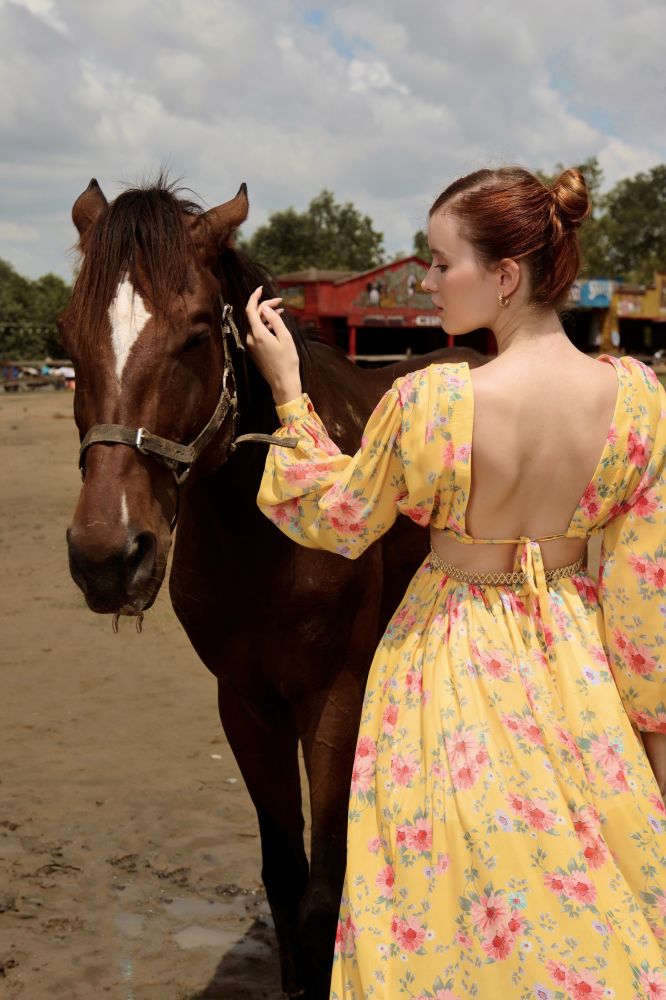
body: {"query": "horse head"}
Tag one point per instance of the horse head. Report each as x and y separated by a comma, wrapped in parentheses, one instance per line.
(143, 330)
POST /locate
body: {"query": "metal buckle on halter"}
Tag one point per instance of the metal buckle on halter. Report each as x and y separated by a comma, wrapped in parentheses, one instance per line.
(139, 440)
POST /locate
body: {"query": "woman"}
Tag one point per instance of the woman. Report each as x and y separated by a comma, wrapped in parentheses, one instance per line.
(506, 831)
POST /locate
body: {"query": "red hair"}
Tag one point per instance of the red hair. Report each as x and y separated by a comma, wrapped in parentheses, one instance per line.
(510, 213)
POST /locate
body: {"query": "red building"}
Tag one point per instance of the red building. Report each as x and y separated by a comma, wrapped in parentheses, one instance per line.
(376, 316)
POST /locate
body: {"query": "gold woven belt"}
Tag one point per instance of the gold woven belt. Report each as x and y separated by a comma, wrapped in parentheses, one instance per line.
(502, 579)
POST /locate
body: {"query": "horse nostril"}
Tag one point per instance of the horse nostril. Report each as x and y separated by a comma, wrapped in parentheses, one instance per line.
(140, 560)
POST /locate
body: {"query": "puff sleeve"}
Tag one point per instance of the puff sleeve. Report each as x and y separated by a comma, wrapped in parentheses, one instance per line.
(633, 591)
(324, 499)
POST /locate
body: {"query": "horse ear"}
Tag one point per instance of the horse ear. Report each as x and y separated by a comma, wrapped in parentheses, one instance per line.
(214, 228)
(88, 207)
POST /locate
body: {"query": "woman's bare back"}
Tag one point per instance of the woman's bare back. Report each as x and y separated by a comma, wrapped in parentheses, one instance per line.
(540, 425)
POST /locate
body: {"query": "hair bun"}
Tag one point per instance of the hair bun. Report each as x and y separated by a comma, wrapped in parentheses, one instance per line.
(571, 199)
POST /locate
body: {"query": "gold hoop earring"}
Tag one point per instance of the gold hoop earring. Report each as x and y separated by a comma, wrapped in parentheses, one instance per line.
(503, 301)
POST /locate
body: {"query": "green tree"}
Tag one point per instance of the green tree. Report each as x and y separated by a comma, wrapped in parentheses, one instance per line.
(28, 313)
(632, 237)
(325, 235)
(421, 247)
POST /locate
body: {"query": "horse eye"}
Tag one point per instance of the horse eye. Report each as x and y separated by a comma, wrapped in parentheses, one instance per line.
(198, 335)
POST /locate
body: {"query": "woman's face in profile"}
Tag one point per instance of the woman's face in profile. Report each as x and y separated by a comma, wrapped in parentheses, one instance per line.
(464, 291)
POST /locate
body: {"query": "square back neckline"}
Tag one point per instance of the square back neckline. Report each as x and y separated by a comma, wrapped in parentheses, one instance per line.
(466, 470)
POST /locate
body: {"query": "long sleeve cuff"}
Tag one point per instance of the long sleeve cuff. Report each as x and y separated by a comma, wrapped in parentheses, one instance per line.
(295, 409)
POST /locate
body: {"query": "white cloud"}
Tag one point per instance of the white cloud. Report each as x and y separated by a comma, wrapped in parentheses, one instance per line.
(384, 103)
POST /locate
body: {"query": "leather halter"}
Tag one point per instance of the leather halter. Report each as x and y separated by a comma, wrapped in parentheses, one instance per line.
(177, 457)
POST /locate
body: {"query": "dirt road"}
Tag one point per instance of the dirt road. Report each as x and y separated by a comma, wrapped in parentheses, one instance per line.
(129, 853)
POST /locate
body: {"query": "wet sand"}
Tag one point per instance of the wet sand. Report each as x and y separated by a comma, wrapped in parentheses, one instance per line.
(129, 851)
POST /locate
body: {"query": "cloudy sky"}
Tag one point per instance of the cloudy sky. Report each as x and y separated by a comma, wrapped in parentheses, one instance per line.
(382, 102)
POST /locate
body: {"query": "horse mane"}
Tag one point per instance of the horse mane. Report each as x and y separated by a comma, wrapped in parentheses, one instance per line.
(239, 276)
(145, 222)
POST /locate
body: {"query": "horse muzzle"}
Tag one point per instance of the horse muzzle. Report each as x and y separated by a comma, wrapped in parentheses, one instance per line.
(124, 577)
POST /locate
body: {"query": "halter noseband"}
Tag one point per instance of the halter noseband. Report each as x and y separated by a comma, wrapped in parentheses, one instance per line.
(177, 457)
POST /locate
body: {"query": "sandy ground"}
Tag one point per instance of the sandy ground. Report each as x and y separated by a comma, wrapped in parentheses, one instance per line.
(129, 853)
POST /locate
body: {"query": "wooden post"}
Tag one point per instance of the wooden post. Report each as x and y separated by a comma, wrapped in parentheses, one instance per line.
(351, 351)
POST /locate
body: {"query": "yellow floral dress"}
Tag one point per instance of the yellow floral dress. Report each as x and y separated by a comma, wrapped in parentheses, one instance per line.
(506, 835)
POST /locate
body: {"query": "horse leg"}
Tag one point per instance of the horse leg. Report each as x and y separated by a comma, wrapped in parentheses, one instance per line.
(328, 749)
(267, 754)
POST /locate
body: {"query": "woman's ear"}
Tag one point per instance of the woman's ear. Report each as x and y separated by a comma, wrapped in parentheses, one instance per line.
(509, 275)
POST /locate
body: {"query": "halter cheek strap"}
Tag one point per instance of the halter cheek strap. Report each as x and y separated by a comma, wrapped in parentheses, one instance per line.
(177, 457)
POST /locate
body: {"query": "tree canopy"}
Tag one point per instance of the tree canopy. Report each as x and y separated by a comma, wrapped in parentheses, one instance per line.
(326, 235)
(28, 313)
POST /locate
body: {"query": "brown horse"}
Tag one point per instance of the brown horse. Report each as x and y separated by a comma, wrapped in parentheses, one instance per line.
(288, 632)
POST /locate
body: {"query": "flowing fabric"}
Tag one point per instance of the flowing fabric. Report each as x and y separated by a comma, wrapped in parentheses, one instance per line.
(506, 832)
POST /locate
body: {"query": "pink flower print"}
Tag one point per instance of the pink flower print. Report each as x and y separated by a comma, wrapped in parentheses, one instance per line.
(419, 836)
(530, 731)
(389, 718)
(448, 456)
(554, 881)
(516, 923)
(658, 803)
(420, 515)
(568, 741)
(463, 939)
(374, 844)
(345, 937)
(618, 780)
(409, 933)
(463, 452)
(653, 985)
(605, 752)
(661, 904)
(636, 449)
(363, 773)
(462, 747)
(285, 512)
(403, 769)
(443, 862)
(620, 639)
(497, 666)
(656, 573)
(386, 881)
(586, 588)
(639, 660)
(595, 853)
(557, 971)
(580, 887)
(305, 473)
(589, 502)
(639, 564)
(366, 747)
(516, 802)
(445, 995)
(465, 777)
(586, 823)
(613, 435)
(490, 913)
(499, 945)
(538, 815)
(344, 506)
(646, 503)
(414, 681)
(322, 441)
(583, 986)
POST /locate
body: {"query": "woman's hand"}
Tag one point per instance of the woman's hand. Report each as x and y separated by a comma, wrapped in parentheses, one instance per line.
(272, 348)
(655, 748)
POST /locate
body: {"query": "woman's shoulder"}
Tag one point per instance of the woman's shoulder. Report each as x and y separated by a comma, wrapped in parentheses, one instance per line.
(432, 383)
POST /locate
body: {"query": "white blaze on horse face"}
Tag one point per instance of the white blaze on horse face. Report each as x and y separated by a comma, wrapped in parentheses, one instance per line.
(128, 316)
(124, 512)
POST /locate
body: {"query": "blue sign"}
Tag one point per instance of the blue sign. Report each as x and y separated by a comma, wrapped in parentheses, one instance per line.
(594, 294)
